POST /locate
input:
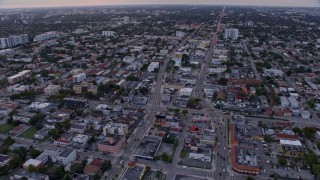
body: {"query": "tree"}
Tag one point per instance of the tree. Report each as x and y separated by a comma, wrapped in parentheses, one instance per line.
(76, 168)
(42, 170)
(165, 157)
(44, 73)
(106, 165)
(66, 124)
(312, 103)
(84, 163)
(297, 130)
(132, 78)
(309, 132)
(52, 132)
(59, 171)
(223, 81)
(8, 141)
(31, 168)
(177, 110)
(21, 152)
(316, 170)
(67, 177)
(282, 161)
(312, 158)
(144, 90)
(96, 177)
(39, 126)
(33, 153)
(185, 112)
(267, 138)
(36, 118)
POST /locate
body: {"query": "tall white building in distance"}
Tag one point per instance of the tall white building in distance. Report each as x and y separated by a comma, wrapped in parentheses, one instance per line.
(80, 31)
(12, 41)
(231, 33)
(126, 20)
(180, 34)
(45, 36)
(108, 33)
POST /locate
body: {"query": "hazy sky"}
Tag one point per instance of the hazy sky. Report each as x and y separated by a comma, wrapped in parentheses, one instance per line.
(53, 3)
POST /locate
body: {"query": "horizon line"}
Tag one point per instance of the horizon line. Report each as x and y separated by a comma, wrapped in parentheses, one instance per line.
(144, 4)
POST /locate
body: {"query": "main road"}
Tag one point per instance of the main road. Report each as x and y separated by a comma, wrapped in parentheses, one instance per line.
(135, 139)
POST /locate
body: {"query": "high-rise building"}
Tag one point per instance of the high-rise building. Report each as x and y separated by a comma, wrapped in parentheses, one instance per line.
(108, 33)
(231, 33)
(126, 20)
(45, 36)
(13, 41)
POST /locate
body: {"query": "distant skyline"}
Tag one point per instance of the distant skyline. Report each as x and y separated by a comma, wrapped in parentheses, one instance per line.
(61, 3)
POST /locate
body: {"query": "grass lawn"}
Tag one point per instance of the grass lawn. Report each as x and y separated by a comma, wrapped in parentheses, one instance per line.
(29, 134)
(5, 128)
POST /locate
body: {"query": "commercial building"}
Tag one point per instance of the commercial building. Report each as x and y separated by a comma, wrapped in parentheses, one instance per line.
(231, 33)
(41, 133)
(12, 41)
(78, 78)
(19, 77)
(40, 107)
(293, 102)
(203, 156)
(75, 103)
(21, 173)
(305, 114)
(111, 144)
(153, 66)
(52, 90)
(180, 34)
(273, 72)
(284, 142)
(185, 91)
(67, 156)
(148, 148)
(284, 101)
(23, 116)
(243, 156)
(108, 33)
(115, 128)
(45, 36)
(78, 128)
(81, 139)
(32, 162)
(85, 87)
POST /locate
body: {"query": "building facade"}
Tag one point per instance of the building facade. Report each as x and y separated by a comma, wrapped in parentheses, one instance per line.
(12, 41)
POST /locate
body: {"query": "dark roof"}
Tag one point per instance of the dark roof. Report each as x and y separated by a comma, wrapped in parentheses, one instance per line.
(66, 152)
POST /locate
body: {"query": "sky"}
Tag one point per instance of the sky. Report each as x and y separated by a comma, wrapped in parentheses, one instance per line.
(57, 3)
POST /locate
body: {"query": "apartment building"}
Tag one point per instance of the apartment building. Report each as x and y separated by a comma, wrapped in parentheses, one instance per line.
(19, 77)
(12, 41)
(115, 128)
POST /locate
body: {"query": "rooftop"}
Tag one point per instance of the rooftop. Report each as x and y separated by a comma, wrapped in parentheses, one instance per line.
(66, 152)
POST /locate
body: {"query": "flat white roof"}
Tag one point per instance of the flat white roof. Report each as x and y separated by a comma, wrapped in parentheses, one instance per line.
(33, 162)
(290, 142)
